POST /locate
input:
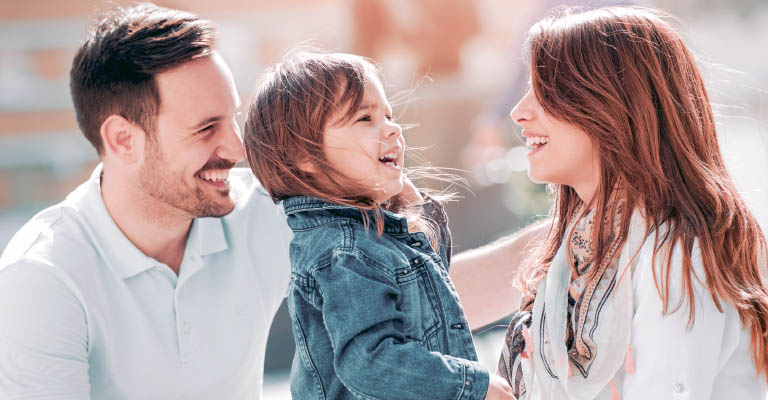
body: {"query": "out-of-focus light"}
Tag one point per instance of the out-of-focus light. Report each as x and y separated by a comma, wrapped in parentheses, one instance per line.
(516, 159)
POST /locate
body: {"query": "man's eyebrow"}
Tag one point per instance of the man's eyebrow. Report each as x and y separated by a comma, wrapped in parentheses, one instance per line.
(202, 124)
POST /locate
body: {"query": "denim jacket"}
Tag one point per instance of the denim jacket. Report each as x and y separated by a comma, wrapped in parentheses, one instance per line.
(375, 317)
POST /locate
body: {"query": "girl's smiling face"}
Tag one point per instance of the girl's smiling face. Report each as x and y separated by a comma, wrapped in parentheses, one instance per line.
(561, 153)
(369, 147)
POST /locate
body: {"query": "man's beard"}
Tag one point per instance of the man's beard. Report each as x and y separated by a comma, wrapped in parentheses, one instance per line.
(161, 184)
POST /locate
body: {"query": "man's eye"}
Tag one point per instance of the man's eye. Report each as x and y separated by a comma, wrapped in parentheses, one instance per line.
(206, 129)
(365, 118)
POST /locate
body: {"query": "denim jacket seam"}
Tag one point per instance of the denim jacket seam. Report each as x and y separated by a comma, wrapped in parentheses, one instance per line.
(309, 205)
(347, 235)
(463, 381)
(307, 228)
(463, 393)
(304, 352)
(360, 394)
(302, 280)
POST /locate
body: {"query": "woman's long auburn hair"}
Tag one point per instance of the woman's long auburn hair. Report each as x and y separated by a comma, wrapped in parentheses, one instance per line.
(284, 128)
(625, 77)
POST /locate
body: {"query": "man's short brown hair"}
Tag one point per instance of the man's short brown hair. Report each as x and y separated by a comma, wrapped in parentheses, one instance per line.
(114, 71)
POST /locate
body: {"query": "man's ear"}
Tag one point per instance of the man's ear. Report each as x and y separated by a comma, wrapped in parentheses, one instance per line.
(122, 139)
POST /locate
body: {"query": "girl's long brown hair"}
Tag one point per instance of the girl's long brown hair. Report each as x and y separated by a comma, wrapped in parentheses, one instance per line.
(626, 78)
(284, 129)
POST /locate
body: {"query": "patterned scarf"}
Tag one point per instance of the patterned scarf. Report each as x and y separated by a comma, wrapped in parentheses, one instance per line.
(585, 298)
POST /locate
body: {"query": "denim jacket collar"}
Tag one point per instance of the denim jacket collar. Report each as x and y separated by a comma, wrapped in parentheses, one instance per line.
(297, 205)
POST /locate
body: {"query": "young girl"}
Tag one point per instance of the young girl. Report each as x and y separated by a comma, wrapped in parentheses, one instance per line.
(373, 311)
(651, 283)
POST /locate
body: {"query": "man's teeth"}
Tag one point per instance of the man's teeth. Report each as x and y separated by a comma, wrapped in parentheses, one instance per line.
(536, 141)
(214, 176)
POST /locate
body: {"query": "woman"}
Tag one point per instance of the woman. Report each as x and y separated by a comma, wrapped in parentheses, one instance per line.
(652, 281)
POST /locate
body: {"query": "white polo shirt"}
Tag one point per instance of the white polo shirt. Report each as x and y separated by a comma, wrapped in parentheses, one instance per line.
(85, 314)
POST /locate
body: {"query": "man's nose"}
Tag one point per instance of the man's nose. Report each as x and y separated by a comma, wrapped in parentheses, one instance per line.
(231, 147)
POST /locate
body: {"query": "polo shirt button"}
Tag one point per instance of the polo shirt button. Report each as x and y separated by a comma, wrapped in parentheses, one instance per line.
(679, 388)
(187, 327)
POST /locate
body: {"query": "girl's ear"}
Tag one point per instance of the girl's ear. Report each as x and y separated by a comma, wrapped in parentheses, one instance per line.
(307, 164)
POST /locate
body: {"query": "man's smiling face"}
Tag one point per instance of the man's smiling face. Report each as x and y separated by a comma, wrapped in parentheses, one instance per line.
(196, 141)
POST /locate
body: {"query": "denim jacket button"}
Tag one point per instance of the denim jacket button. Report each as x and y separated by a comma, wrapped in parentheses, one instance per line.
(405, 272)
(466, 383)
(416, 244)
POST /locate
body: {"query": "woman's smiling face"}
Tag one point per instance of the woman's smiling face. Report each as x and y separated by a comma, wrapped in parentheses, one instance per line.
(561, 153)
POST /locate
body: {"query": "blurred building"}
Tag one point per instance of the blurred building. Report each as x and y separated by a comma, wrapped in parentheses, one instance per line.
(445, 62)
(447, 51)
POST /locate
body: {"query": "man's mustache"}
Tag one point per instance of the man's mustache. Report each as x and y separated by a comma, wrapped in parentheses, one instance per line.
(218, 163)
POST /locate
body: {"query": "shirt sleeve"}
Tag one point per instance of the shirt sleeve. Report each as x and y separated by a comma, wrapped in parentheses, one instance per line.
(359, 305)
(43, 336)
(284, 259)
(674, 360)
(263, 226)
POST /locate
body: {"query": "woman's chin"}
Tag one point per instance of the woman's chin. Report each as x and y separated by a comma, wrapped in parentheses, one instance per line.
(536, 177)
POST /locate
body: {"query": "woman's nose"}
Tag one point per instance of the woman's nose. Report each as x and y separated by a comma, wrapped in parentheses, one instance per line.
(524, 110)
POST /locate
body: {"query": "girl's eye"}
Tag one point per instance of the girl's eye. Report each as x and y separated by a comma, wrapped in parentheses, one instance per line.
(365, 118)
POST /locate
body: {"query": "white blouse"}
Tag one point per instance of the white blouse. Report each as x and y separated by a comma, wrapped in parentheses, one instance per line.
(708, 359)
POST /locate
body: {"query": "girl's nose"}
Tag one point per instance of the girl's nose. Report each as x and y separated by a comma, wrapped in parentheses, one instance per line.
(392, 130)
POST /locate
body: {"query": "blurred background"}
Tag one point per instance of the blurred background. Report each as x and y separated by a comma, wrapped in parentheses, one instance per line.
(453, 68)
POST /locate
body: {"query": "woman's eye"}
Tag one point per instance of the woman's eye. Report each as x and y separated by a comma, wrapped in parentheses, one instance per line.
(388, 117)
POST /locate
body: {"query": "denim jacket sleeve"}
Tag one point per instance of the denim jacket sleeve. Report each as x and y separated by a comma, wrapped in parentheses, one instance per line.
(372, 357)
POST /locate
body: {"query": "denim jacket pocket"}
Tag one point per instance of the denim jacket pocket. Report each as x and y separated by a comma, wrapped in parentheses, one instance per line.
(419, 303)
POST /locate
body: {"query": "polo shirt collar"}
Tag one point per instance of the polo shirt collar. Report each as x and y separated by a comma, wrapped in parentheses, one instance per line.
(206, 235)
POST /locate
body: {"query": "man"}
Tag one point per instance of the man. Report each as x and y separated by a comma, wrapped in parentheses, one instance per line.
(159, 276)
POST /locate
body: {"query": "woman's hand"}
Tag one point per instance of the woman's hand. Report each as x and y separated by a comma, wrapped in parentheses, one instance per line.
(498, 389)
